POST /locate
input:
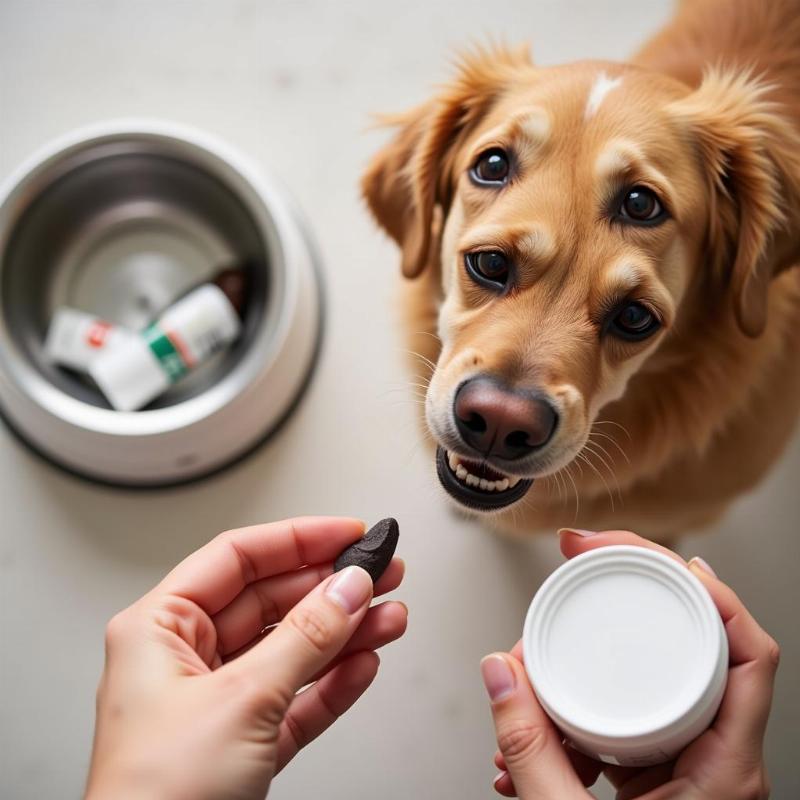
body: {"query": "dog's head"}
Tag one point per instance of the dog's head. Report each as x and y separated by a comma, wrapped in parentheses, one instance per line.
(577, 215)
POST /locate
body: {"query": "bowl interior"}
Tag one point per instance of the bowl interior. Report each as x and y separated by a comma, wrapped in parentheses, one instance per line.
(121, 230)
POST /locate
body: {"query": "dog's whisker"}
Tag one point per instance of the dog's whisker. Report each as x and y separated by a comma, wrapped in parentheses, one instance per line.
(405, 397)
(563, 482)
(562, 474)
(601, 457)
(558, 486)
(413, 379)
(575, 489)
(602, 434)
(595, 447)
(427, 333)
(616, 424)
(424, 359)
(588, 448)
(408, 401)
(402, 390)
(422, 384)
(612, 440)
(559, 476)
(599, 475)
(526, 502)
(549, 484)
(556, 482)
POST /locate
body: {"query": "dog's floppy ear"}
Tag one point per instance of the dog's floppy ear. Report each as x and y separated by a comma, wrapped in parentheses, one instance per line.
(752, 157)
(411, 175)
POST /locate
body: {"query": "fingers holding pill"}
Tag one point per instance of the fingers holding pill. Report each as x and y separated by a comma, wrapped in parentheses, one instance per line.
(382, 624)
(214, 575)
(316, 630)
(255, 636)
(305, 641)
(265, 602)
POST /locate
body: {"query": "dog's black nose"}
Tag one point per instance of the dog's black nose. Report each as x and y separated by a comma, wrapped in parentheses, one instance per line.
(502, 422)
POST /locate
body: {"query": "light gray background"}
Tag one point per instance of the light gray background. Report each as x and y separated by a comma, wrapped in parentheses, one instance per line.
(292, 85)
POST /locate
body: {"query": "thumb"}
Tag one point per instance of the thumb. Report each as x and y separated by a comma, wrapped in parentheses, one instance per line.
(528, 740)
(307, 639)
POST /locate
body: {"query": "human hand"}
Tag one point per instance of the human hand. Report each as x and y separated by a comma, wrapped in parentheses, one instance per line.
(724, 763)
(196, 702)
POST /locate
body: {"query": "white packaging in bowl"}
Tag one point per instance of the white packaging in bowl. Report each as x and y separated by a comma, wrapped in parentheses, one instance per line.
(627, 654)
(76, 339)
(186, 334)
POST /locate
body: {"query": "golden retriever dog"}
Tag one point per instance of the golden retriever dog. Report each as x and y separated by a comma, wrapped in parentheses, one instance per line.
(597, 260)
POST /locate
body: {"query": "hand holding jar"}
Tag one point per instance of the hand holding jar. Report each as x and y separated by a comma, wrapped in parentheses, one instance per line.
(725, 761)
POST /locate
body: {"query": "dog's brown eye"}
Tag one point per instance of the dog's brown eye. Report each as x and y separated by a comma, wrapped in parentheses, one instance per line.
(641, 205)
(492, 167)
(488, 268)
(633, 321)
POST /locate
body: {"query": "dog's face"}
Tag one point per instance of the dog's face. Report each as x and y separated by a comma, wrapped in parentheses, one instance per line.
(573, 224)
(565, 255)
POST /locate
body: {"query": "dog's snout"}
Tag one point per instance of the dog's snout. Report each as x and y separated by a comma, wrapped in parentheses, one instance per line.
(502, 422)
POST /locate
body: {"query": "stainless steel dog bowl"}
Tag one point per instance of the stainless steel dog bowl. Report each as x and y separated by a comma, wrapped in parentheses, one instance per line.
(120, 220)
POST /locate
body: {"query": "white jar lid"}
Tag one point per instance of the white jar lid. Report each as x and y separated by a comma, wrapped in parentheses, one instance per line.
(623, 644)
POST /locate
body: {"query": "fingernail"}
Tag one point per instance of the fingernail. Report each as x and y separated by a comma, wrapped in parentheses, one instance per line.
(497, 777)
(703, 565)
(497, 677)
(351, 588)
(576, 531)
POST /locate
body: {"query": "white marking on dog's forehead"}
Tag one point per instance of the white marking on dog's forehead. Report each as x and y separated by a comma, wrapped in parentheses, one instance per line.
(535, 125)
(624, 274)
(600, 88)
(618, 156)
(537, 243)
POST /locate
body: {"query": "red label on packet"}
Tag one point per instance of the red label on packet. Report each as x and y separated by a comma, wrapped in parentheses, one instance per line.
(97, 333)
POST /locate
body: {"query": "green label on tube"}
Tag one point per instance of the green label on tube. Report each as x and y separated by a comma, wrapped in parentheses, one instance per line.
(165, 351)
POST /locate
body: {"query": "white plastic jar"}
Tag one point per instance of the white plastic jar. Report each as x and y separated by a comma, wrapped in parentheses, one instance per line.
(627, 653)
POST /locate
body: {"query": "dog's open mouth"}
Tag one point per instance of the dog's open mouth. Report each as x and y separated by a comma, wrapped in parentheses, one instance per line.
(477, 485)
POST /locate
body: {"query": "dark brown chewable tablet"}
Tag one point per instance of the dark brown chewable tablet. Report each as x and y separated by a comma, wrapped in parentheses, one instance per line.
(234, 284)
(373, 551)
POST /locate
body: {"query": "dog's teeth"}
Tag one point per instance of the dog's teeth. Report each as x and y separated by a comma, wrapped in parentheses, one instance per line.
(477, 482)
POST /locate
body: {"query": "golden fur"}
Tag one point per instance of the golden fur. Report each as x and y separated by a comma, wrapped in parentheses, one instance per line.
(657, 436)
